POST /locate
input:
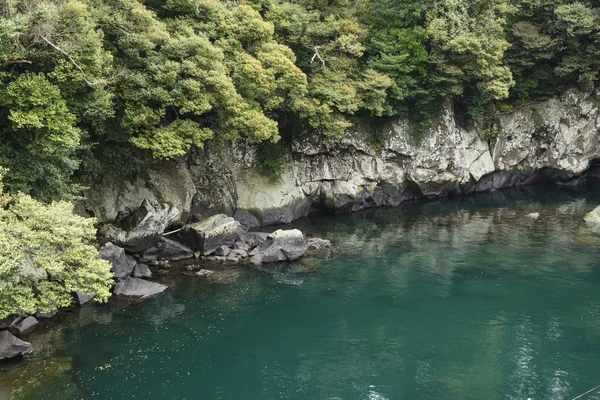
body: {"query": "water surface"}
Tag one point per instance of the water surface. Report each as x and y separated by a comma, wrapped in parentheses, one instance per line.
(456, 299)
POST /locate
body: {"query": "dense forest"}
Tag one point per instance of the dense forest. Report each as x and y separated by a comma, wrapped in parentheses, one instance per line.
(90, 87)
(96, 87)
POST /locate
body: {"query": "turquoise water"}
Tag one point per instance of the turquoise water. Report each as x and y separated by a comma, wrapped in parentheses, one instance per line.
(457, 299)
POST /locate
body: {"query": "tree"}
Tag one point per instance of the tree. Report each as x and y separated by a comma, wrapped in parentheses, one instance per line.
(46, 253)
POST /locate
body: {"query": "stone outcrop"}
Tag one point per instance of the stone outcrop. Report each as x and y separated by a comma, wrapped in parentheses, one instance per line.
(169, 250)
(280, 246)
(25, 326)
(211, 233)
(554, 140)
(122, 264)
(11, 346)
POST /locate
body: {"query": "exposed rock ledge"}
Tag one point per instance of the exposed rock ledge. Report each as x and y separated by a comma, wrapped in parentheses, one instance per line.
(555, 139)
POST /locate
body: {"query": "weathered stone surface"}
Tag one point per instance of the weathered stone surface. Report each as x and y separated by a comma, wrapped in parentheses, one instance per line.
(167, 249)
(554, 140)
(281, 245)
(138, 288)
(122, 265)
(533, 216)
(142, 271)
(222, 251)
(143, 228)
(317, 244)
(9, 321)
(593, 217)
(25, 326)
(11, 346)
(208, 235)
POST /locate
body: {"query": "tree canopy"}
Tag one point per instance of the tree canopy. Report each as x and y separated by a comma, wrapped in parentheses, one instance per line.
(89, 87)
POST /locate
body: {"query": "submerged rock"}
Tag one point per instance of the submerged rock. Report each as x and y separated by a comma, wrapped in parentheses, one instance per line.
(593, 217)
(11, 346)
(208, 235)
(122, 265)
(25, 326)
(533, 215)
(41, 315)
(138, 288)
(203, 273)
(317, 244)
(225, 276)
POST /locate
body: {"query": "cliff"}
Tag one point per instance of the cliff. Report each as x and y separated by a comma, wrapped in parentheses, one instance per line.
(555, 140)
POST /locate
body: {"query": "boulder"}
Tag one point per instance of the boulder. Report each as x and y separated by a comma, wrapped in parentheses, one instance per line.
(317, 244)
(254, 239)
(167, 249)
(142, 271)
(25, 326)
(203, 273)
(9, 321)
(143, 228)
(80, 298)
(593, 217)
(11, 346)
(138, 288)
(223, 251)
(280, 246)
(122, 265)
(210, 234)
(241, 245)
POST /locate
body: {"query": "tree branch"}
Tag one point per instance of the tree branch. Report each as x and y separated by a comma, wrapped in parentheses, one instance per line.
(16, 62)
(72, 62)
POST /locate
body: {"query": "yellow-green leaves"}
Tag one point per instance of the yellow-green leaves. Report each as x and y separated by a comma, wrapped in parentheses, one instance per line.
(47, 252)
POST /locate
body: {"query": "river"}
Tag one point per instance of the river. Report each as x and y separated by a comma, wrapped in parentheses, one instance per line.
(460, 298)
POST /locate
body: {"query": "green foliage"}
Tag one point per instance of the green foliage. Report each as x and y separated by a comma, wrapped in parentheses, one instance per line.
(46, 252)
(100, 87)
(272, 157)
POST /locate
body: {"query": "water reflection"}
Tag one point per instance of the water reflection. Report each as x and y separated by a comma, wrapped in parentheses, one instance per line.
(457, 299)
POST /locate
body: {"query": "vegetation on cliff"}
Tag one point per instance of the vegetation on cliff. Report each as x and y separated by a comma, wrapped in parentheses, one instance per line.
(97, 86)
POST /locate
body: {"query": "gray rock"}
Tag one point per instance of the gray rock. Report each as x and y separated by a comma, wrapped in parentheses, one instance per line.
(80, 298)
(203, 273)
(281, 245)
(9, 321)
(11, 346)
(122, 265)
(317, 244)
(25, 326)
(254, 239)
(167, 249)
(533, 216)
(144, 227)
(215, 258)
(593, 217)
(142, 271)
(138, 288)
(208, 235)
(241, 245)
(222, 251)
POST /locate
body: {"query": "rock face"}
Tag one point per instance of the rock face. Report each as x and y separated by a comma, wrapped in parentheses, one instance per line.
(210, 234)
(25, 326)
(11, 346)
(280, 246)
(169, 250)
(122, 265)
(138, 288)
(553, 140)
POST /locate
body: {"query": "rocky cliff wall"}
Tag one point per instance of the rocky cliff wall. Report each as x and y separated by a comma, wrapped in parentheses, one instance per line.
(553, 140)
